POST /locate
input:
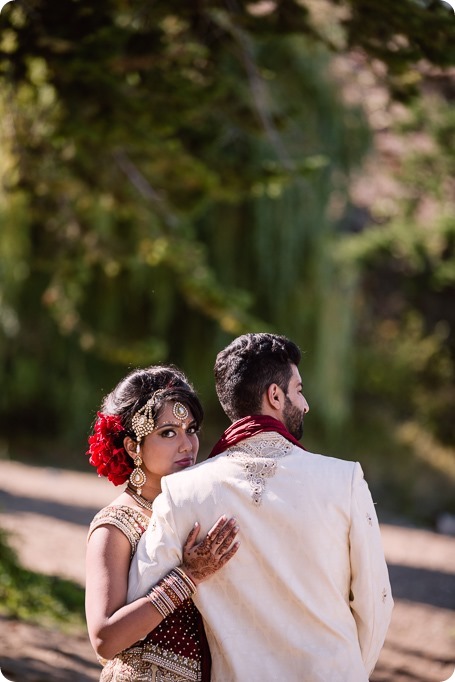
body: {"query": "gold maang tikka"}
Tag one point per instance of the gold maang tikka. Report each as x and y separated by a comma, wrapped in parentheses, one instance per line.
(180, 412)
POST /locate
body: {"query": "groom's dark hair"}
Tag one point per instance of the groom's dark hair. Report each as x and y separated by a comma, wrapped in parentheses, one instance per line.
(248, 366)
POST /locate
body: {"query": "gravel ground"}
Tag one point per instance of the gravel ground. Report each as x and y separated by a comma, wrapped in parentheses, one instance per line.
(47, 512)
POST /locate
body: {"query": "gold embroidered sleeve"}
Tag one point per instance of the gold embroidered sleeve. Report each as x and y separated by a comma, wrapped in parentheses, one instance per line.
(131, 522)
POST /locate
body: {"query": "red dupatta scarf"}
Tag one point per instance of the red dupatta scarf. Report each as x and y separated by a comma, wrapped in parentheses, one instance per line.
(250, 426)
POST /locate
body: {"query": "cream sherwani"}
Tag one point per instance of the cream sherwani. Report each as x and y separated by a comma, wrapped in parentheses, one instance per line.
(307, 596)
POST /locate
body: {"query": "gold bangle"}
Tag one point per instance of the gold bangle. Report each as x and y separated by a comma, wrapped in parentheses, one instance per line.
(186, 578)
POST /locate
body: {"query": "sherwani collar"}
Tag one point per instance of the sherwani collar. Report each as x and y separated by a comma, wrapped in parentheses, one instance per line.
(251, 426)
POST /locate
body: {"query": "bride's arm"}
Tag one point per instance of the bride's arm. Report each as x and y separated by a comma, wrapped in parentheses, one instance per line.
(114, 625)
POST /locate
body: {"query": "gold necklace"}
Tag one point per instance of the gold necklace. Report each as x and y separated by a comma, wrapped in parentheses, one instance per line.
(142, 502)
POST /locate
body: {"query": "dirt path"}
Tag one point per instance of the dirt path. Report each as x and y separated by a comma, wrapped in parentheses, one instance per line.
(47, 512)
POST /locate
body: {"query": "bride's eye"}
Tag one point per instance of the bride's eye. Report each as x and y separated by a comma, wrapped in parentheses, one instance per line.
(168, 433)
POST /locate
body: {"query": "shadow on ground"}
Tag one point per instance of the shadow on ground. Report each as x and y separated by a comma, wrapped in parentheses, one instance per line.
(425, 586)
(76, 514)
(32, 670)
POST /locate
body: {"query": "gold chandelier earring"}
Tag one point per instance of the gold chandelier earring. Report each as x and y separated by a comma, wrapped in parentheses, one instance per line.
(137, 477)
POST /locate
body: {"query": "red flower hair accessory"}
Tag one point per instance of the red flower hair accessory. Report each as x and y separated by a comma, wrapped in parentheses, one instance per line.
(109, 459)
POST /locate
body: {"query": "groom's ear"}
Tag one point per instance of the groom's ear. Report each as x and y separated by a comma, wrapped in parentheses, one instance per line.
(273, 399)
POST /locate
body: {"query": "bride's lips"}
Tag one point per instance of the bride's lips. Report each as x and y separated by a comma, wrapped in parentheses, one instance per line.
(185, 462)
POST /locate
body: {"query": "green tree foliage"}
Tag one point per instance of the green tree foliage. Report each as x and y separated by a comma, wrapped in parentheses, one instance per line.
(405, 353)
(125, 127)
(36, 597)
(413, 255)
(171, 176)
(400, 35)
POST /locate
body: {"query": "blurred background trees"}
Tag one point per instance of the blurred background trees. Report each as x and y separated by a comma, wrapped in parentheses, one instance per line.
(176, 174)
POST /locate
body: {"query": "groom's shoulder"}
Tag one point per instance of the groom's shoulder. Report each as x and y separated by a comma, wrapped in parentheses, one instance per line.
(196, 484)
(329, 464)
(207, 469)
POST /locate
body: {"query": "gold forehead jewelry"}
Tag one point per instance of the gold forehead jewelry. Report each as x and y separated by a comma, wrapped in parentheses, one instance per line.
(180, 412)
(143, 422)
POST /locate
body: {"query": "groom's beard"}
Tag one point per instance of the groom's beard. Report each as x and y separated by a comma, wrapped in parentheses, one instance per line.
(293, 418)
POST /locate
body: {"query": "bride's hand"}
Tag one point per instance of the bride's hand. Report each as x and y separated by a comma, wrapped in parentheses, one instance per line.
(201, 560)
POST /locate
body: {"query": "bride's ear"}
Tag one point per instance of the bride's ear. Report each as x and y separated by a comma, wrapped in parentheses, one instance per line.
(130, 446)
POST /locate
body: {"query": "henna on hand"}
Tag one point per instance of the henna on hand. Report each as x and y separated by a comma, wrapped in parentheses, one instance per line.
(205, 558)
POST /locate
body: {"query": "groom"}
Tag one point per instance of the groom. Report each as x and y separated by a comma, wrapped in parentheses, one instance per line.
(307, 596)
